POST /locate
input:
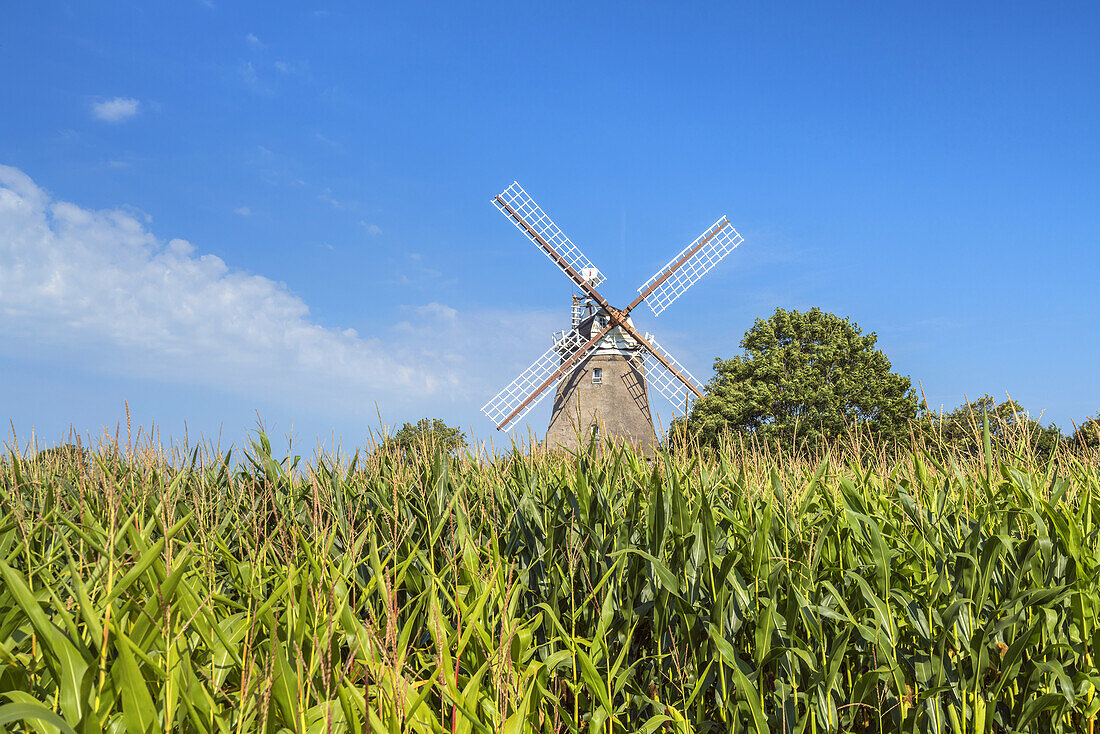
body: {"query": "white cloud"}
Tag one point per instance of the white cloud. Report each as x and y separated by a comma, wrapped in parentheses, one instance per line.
(372, 229)
(326, 196)
(116, 109)
(437, 311)
(253, 41)
(99, 287)
(254, 81)
(248, 74)
(244, 211)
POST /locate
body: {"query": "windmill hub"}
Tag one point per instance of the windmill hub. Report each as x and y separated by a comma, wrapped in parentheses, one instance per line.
(603, 366)
(616, 316)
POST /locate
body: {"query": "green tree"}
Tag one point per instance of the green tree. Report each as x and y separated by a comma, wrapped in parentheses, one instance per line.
(65, 457)
(807, 375)
(1010, 424)
(1087, 434)
(426, 435)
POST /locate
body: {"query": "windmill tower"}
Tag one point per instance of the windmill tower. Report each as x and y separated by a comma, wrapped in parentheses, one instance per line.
(603, 367)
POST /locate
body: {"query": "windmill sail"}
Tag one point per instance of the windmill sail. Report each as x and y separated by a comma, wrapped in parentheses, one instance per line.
(693, 262)
(530, 219)
(509, 405)
(673, 387)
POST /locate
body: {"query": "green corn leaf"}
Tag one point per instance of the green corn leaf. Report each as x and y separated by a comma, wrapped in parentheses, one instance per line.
(14, 712)
(666, 577)
(70, 666)
(138, 710)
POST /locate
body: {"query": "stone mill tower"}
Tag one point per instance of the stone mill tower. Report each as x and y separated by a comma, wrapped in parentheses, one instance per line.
(605, 395)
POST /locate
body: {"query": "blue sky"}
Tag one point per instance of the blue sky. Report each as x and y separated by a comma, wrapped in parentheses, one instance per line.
(221, 212)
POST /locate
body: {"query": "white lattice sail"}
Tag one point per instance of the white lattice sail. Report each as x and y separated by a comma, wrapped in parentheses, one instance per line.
(661, 379)
(516, 392)
(718, 241)
(524, 207)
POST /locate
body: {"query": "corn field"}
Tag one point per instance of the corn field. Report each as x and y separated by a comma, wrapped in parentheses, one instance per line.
(149, 589)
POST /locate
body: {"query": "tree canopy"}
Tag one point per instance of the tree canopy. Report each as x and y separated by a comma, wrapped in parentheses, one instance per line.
(1009, 423)
(1087, 434)
(809, 376)
(427, 434)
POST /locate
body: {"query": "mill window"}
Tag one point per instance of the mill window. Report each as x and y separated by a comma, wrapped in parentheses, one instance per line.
(597, 376)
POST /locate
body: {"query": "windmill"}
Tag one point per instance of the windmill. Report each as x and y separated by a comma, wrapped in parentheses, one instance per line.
(603, 366)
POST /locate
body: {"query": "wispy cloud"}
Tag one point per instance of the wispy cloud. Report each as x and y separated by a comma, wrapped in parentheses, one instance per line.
(99, 284)
(250, 77)
(244, 211)
(437, 311)
(254, 41)
(327, 141)
(372, 229)
(326, 196)
(299, 70)
(259, 78)
(413, 272)
(116, 109)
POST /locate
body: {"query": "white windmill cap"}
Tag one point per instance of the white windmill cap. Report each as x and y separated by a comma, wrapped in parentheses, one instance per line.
(591, 273)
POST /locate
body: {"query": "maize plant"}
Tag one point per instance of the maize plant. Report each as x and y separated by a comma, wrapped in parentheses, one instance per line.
(147, 589)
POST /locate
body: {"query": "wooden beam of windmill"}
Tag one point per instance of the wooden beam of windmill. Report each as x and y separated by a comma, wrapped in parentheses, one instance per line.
(566, 365)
